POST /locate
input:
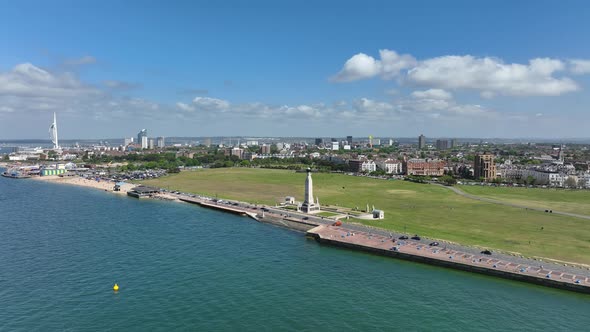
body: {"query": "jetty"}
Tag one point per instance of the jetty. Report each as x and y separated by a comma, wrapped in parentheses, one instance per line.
(434, 255)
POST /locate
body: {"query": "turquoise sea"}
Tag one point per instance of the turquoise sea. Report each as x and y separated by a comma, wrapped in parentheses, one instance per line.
(181, 267)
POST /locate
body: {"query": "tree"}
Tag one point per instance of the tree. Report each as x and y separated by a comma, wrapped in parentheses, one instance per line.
(448, 180)
(530, 180)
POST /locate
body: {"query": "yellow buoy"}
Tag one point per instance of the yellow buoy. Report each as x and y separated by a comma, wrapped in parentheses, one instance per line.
(116, 287)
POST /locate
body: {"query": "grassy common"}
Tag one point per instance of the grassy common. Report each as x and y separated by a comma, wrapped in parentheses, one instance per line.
(423, 209)
(566, 200)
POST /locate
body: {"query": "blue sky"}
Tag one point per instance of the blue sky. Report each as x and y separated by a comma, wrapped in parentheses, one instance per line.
(295, 68)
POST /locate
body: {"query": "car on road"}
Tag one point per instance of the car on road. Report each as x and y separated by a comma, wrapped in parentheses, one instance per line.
(415, 237)
(403, 237)
(486, 252)
(305, 218)
(433, 244)
(265, 209)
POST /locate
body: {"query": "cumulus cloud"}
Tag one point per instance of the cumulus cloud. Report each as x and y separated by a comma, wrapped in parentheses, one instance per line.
(579, 66)
(489, 76)
(210, 104)
(492, 76)
(432, 94)
(362, 66)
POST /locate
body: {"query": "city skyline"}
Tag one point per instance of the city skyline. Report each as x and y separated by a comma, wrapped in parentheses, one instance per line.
(511, 70)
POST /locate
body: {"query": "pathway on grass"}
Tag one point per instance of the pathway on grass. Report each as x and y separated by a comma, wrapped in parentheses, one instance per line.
(494, 201)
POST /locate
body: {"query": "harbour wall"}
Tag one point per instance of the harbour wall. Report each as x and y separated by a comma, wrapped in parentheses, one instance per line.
(453, 264)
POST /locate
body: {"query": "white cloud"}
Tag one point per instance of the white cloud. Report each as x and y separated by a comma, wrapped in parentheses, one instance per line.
(210, 104)
(362, 66)
(28, 80)
(432, 94)
(579, 66)
(185, 107)
(490, 76)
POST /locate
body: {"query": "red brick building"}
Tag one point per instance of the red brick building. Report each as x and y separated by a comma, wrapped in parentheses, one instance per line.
(424, 167)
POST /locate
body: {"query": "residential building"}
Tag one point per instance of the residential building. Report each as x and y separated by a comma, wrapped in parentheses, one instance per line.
(335, 146)
(484, 167)
(390, 166)
(362, 165)
(425, 167)
(142, 133)
(349, 140)
(160, 143)
(265, 149)
(144, 142)
(442, 144)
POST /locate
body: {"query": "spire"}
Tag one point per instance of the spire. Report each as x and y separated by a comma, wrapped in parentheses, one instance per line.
(53, 133)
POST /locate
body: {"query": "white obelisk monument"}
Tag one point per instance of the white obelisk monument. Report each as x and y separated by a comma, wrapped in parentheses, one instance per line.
(308, 205)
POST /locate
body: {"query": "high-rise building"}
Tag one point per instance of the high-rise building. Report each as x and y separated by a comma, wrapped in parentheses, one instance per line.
(142, 133)
(319, 141)
(454, 143)
(144, 142)
(349, 140)
(151, 144)
(442, 144)
(421, 142)
(160, 143)
(484, 167)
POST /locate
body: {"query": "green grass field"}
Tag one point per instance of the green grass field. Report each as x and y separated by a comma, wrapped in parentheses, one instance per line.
(428, 210)
(566, 200)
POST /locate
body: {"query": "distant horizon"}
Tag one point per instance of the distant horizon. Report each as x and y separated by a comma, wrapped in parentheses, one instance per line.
(356, 138)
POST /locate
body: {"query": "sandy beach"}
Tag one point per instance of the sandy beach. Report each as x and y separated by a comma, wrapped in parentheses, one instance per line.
(78, 181)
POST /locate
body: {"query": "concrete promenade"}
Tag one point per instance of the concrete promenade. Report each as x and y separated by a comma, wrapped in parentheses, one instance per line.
(435, 255)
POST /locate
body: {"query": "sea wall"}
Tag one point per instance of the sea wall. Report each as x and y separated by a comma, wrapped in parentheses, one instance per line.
(455, 265)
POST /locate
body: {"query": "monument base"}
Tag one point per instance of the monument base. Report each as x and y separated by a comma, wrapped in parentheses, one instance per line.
(309, 208)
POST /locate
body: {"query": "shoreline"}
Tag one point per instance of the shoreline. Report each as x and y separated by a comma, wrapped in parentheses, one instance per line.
(295, 221)
(102, 185)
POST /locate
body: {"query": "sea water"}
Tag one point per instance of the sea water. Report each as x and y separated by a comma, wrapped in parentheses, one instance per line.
(182, 267)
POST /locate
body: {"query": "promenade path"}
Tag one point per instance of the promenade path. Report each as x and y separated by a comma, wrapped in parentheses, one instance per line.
(495, 201)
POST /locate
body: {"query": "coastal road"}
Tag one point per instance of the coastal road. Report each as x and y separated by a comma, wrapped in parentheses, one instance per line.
(494, 201)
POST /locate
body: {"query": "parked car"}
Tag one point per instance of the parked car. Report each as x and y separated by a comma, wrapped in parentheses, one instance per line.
(403, 237)
(433, 244)
(486, 252)
(416, 237)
